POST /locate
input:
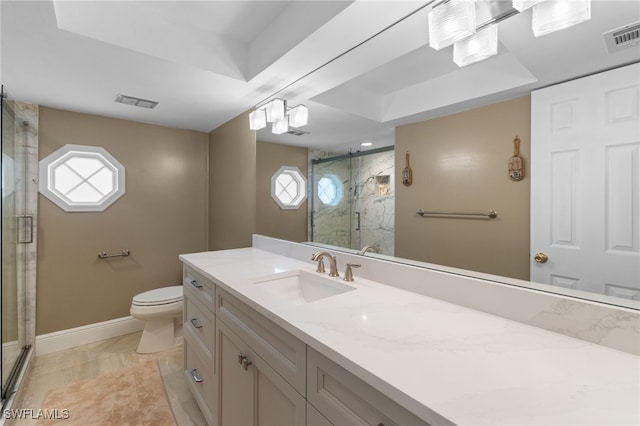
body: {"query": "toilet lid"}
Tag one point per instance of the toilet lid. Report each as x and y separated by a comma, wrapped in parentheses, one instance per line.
(159, 296)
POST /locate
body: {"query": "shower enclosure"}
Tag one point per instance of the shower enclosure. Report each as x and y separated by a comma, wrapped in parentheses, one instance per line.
(352, 200)
(17, 245)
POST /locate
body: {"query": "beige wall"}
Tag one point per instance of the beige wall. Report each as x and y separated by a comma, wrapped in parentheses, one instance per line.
(162, 214)
(232, 184)
(459, 163)
(271, 220)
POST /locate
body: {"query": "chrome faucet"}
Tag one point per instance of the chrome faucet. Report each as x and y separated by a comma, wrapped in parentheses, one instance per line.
(333, 268)
(372, 249)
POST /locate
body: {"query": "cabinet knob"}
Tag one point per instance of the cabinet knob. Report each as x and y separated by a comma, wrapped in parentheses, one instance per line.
(242, 360)
(196, 284)
(196, 323)
(246, 364)
(195, 376)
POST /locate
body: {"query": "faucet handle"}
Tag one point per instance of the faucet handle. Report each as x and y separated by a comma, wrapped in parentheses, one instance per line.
(320, 263)
(348, 273)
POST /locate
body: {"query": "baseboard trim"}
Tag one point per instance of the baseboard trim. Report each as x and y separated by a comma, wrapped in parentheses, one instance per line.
(65, 339)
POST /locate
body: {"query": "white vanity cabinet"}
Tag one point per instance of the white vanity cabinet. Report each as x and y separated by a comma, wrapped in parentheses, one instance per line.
(343, 399)
(199, 343)
(244, 369)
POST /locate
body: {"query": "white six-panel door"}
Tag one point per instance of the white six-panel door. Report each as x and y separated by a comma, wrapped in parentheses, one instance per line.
(585, 183)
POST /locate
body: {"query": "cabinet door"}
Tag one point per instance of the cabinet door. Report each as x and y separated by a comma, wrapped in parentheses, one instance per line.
(283, 351)
(278, 404)
(346, 400)
(236, 383)
(256, 395)
(314, 418)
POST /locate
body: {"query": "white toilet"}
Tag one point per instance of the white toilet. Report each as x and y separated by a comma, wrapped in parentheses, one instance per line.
(161, 310)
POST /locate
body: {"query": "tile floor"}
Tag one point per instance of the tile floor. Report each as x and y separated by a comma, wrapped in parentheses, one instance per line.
(86, 362)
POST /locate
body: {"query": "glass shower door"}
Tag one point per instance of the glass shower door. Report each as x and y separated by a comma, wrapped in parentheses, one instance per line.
(352, 203)
(13, 207)
(331, 208)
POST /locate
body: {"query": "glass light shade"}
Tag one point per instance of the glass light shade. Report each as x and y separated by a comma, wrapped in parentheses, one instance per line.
(477, 47)
(276, 110)
(451, 22)
(298, 116)
(257, 119)
(522, 5)
(280, 126)
(555, 15)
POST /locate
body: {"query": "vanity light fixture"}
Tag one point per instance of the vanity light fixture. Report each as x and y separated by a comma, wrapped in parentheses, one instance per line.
(298, 116)
(280, 126)
(276, 110)
(554, 15)
(471, 25)
(281, 116)
(451, 21)
(257, 119)
(522, 5)
(477, 47)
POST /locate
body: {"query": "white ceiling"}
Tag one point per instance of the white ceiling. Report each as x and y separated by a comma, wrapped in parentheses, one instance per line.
(362, 67)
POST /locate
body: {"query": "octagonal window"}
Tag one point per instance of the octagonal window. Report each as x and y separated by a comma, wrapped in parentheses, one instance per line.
(288, 187)
(330, 190)
(81, 178)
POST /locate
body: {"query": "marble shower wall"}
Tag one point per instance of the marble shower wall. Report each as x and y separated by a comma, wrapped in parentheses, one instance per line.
(27, 153)
(365, 188)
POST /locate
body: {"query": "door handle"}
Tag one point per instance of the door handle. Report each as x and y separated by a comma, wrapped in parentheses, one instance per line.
(541, 258)
(25, 229)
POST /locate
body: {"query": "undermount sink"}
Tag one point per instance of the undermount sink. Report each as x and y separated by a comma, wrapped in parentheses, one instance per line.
(301, 287)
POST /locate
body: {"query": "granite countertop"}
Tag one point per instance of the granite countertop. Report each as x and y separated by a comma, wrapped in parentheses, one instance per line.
(430, 356)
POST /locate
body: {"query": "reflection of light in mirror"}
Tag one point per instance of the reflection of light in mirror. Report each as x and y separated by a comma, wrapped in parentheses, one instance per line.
(8, 181)
(454, 161)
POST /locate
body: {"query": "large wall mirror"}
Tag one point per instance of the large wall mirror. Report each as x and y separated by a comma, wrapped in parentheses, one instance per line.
(459, 125)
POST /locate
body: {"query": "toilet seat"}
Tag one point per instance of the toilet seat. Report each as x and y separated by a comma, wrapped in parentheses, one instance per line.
(159, 296)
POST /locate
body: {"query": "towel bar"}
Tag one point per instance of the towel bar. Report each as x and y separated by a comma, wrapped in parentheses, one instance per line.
(104, 255)
(489, 215)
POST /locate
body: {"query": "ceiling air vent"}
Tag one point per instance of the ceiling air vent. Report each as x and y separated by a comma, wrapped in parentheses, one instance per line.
(130, 100)
(297, 132)
(622, 38)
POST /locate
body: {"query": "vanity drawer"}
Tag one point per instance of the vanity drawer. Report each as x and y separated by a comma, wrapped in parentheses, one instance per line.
(201, 380)
(200, 323)
(344, 399)
(286, 354)
(201, 287)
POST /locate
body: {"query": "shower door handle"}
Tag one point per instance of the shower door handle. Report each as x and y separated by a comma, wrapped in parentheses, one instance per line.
(358, 219)
(25, 229)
